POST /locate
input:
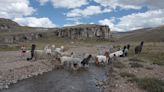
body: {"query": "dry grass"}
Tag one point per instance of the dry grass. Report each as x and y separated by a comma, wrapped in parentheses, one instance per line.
(126, 74)
(149, 84)
(135, 59)
(135, 65)
(9, 47)
(118, 64)
(152, 53)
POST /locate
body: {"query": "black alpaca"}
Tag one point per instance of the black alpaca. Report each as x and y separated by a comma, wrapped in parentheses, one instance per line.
(128, 46)
(32, 52)
(86, 60)
(123, 51)
(138, 49)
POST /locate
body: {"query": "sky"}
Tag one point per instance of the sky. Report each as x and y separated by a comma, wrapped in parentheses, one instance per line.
(119, 15)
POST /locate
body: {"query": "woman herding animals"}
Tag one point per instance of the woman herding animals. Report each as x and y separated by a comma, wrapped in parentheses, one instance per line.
(138, 49)
(23, 50)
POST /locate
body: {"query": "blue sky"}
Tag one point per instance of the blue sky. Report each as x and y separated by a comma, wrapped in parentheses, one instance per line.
(119, 15)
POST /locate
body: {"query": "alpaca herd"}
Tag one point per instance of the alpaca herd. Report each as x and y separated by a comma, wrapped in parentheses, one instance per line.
(69, 59)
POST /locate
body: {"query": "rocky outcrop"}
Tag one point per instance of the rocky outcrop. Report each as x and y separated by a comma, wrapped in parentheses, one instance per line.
(80, 32)
(23, 37)
(85, 32)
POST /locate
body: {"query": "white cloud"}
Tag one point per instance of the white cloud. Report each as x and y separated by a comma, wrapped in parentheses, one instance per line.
(88, 11)
(73, 24)
(133, 4)
(110, 23)
(15, 8)
(152, 18)
(42, 2)
(35, 22)
(65, 3)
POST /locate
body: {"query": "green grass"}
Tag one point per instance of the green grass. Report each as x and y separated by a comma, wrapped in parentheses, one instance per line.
(149, 84)
(126, 74)
(155, 58)
(7, 47)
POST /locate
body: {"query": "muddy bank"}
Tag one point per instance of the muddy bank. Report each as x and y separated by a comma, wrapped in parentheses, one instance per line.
(12, 72)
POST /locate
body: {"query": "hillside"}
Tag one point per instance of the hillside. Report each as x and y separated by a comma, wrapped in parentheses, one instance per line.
(6, 24)
(148, 34)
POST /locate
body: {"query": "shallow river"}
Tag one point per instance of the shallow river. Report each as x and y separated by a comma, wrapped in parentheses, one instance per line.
(62, 80)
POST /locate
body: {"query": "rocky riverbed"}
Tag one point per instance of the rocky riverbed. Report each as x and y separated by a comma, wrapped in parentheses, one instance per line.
(14, 68)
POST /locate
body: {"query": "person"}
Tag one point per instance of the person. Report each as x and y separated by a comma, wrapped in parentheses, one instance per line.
(126, 52)
(23, 50)
(111, 48)
(33, 46)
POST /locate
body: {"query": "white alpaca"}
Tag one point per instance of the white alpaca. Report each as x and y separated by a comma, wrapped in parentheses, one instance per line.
(66, 59)
(102, 58)
(117, 54)
(43, 54)
(39, 54)
(72, 62)
(59, 50)
(76, 63)
(48, 49)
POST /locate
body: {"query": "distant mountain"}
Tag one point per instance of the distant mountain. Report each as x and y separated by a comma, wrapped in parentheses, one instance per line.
(146, 34)
(7, 24)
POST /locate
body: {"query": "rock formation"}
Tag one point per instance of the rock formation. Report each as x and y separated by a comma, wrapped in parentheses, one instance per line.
(14, 33)
(85, 32)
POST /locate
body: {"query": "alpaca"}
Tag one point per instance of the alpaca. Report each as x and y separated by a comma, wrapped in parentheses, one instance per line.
(117, 54)
(66, 59)
(78, 63)
(103, 58)
(85, 61)
(33, 46)
(138, 49)
(59, 50)
(46, 53)
(128, 46)
(39, 54)
(48, 50)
